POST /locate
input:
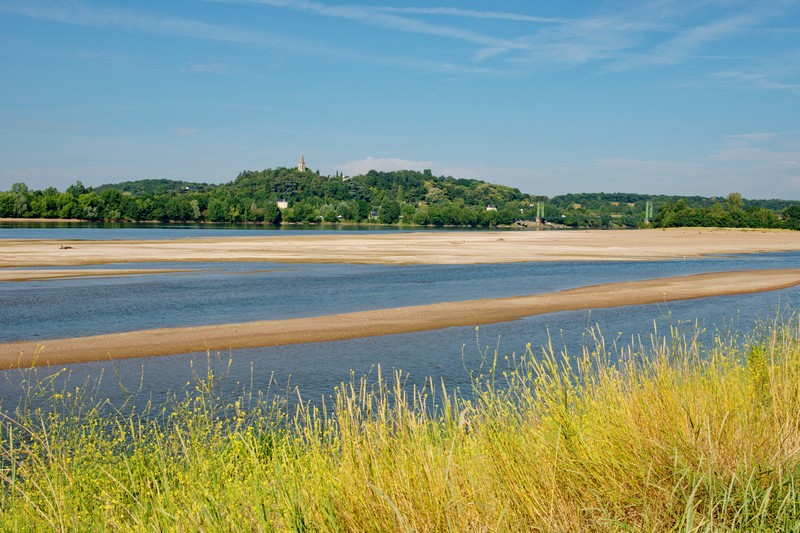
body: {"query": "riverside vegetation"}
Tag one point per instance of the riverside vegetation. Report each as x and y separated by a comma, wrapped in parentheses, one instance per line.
(405, 196)
(660, 433)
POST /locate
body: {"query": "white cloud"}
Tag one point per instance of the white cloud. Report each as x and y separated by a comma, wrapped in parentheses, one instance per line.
(383, 17)
(208, 68)
(85, 14)
(621, 39)
(760, 136)
(777, 149)
(470, 13)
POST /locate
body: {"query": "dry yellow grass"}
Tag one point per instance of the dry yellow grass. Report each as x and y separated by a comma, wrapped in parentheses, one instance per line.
(662, 435)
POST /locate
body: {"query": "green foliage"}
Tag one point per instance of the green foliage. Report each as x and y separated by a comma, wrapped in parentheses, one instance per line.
(627, 210)
(791, 217)
(418, 197)
(734, 212)
(253, 197)
(272, 214)
(389, 212)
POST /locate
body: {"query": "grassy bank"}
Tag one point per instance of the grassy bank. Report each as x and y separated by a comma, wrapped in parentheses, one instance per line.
(666, 434)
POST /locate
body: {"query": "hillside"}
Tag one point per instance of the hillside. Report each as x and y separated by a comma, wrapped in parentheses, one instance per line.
(288, 195)
(255, 196)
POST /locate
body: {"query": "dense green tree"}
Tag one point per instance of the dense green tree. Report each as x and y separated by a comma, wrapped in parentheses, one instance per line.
(734, 202)
(791, 217)
(77, 189)
(389, 212)
(272, 214)
(363, 210)
(407, 213)
(20, 195)
(417, 197)
(217, 210)
(178, 208)
(6, 205)
(421, 217)
(302, 212)
(327, 213)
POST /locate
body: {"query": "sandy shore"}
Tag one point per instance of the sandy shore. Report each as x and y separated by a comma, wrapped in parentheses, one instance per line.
(457, 247)
(386, 321)
(31, 275)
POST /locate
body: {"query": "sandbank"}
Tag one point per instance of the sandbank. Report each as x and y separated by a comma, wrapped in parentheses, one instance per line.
(424, 247)
(386, 321)
(35, 275)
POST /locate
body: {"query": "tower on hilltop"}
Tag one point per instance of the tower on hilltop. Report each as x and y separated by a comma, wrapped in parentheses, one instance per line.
(301, 166)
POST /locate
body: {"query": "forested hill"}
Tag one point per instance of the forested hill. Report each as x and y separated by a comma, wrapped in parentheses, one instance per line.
(405, 196)
(282, 195)
(626, 209)
(155, 187)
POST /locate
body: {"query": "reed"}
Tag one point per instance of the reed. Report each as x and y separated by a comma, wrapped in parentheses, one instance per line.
(660, 434)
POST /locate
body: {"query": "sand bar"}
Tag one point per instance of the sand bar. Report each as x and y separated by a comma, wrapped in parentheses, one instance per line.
(424, 247)
(386, 321)
(38, 275)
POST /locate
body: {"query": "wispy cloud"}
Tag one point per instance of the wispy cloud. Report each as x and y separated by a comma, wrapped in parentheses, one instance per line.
(759, 80)
(777, 148)
(779, 72)
(208, 68)
(385, 17)
(630, 38)
(39, 126)
(650, 34)
(690, 41)
(470, 13)
(84, 14)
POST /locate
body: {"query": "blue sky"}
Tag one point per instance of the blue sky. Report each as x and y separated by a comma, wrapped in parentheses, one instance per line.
(666, 97)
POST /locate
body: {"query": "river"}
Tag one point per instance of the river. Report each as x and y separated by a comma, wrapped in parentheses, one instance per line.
(216, 293)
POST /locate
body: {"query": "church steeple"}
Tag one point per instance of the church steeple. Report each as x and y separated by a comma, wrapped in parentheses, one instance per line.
(301, 166)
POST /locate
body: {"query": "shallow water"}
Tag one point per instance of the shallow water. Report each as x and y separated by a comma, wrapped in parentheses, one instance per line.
(218, 293)
(215, 293)
(156, 231)
(448, 355)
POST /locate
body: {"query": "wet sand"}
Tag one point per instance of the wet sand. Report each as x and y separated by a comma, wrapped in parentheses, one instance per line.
(441, 247)
(386, 321)
(32, 275)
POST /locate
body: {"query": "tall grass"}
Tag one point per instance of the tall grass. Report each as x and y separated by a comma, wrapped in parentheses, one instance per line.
(661, 434)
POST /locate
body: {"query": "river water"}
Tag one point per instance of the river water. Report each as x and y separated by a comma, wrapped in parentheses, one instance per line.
(216, 293)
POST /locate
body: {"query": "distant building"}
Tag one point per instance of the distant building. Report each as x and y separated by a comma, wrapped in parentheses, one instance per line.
(490, 207)
(282, 204)
(301, 166)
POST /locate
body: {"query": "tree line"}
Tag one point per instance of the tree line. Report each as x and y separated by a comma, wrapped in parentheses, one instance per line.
(279, 195)
(275, 196)
(733, 212)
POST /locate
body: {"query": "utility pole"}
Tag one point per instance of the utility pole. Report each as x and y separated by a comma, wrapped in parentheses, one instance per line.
(648, 212)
